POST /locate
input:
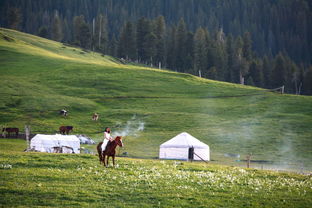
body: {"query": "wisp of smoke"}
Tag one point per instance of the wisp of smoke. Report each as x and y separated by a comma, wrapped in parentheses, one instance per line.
(132, 128)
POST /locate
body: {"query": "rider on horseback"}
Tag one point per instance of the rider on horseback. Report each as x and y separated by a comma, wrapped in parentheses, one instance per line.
(107, 138)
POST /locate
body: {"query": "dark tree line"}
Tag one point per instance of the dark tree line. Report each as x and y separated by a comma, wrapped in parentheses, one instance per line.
(260, 43)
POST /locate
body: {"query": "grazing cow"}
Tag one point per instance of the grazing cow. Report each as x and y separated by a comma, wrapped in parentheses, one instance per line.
(95, 117)
(10, 130)
(63, 112)
(65, 129)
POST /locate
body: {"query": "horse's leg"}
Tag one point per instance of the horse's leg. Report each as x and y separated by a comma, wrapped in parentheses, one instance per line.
(113, 160)
(107, 161)
(104, 162)
(100, 156)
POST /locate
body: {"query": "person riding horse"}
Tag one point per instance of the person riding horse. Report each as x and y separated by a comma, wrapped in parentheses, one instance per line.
(107, 138)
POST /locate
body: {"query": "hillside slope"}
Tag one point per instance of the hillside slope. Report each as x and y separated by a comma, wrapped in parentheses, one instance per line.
(39, 77)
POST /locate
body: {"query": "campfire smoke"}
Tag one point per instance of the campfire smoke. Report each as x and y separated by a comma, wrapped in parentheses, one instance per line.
(132, 127)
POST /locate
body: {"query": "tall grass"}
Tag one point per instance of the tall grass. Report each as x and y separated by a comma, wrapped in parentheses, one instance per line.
(58, 180)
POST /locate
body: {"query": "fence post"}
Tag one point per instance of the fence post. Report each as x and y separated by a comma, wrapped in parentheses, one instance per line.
(27, 132)
(248, 160)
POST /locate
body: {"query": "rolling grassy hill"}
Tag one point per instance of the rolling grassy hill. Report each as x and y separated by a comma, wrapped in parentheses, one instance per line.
(39, 77)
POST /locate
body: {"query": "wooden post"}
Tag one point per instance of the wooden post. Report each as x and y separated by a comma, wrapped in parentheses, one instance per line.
(282, 89)
(199, 73)
(27, 134)
(248, 160)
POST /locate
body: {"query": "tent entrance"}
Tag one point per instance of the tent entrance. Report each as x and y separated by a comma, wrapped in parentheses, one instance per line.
(191, 153)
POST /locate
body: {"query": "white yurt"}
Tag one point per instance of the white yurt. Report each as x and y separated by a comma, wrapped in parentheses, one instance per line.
(55, 143)
(184, 147)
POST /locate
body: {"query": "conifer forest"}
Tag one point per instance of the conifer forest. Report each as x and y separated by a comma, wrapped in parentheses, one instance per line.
(261, 43)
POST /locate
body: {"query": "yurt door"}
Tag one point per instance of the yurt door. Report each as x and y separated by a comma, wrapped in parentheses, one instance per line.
(191, 153)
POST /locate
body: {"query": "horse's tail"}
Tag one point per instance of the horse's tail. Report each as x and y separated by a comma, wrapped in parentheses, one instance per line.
(99, 149)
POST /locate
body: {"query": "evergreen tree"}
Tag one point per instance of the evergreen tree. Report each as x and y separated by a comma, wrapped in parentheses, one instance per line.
(57, 30)
(200, 50)
(14, 18)
(307, 82)
(85, 36)
(189, 59)
(150, 47)
(171, 48)
(127, 45)
(181, 52)
(43, 32)
(100, 34)
(160, 31)
(267, 70)
(230, 49)
(82, 32)
(255, 72)
(279, 71)
(113, 47)
(143, 35)
(247, 47)
(78, 21)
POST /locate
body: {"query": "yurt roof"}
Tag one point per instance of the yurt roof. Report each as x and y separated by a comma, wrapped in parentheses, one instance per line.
(184, 140)
(55, 137)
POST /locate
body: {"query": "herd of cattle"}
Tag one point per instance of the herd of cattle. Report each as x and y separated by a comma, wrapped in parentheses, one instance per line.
(63, 129)
(15, 131)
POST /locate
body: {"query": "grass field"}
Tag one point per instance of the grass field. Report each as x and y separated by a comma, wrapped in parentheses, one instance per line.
(72, 180)
(39, 77)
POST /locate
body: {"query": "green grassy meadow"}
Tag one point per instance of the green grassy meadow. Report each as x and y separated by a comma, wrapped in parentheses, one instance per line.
(39, 77)
(29, 179)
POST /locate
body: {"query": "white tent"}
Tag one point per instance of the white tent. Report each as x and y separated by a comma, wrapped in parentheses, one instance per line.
(85, 140)
(184, 147)
(55, 143)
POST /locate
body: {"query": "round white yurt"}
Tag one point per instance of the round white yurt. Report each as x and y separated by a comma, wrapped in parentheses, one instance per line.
(184, 147)
(55, 143)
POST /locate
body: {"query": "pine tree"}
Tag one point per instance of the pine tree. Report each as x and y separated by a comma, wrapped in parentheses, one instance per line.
(14, 18)
(307, 82)
(57, 30)
(255, 72)
(171, 44)
(247, 46)
(267, 70)
(181, 38)
(160, 31)
(113, 47)
(82, 32)
(150, 47)
(230, 51)
(200, 50)
(43, 32)
(279, 71)
(127, 45)
(100, 34)
(143, 33)
(85, 36)
(78, 21)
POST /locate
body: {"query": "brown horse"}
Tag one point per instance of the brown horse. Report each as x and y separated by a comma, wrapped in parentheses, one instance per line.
(65, 129)
(109, 151)
(11, 130)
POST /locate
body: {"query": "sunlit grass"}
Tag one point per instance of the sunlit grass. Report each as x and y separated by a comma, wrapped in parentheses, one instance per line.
(54, 180)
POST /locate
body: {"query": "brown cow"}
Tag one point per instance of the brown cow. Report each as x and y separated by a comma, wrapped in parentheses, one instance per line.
(65, 129)
(10, 130)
